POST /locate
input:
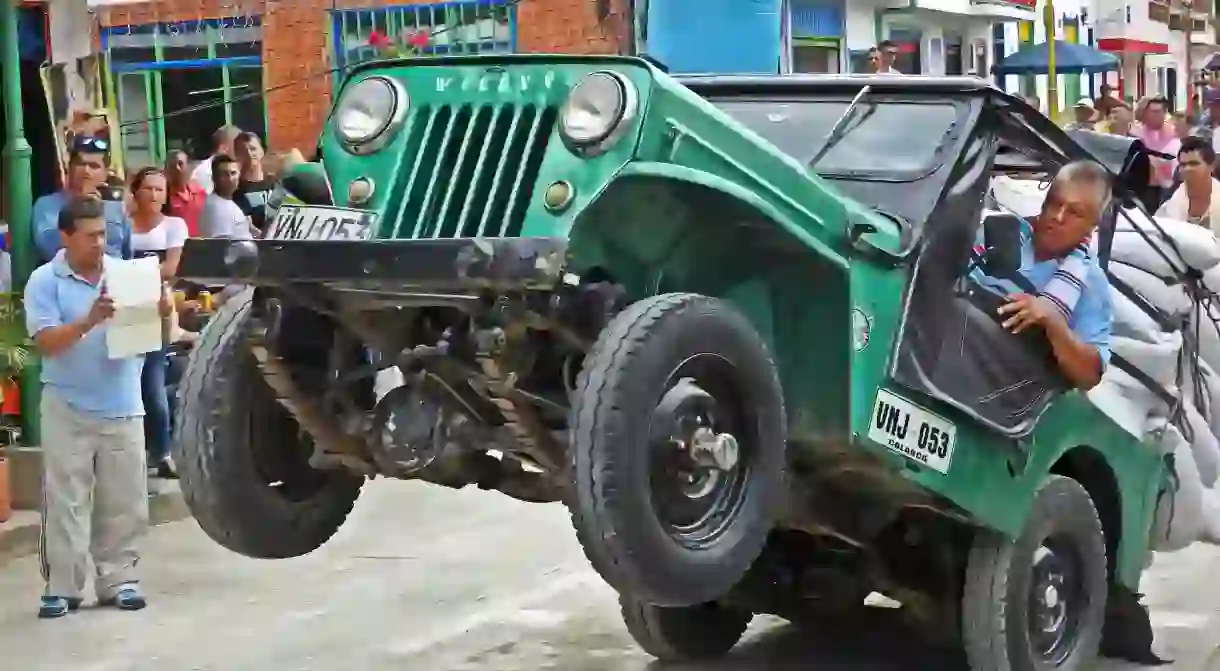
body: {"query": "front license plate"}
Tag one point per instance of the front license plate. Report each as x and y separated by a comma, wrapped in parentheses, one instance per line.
(912, 431)
(312, 222)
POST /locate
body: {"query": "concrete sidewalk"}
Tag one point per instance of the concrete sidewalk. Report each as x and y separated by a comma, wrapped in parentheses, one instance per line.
(19, 535)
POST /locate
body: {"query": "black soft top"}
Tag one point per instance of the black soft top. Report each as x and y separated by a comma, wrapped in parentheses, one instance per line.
(1117, 154)
(739, 84)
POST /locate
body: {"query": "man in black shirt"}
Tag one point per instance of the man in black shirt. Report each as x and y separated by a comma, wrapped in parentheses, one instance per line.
(256, 185)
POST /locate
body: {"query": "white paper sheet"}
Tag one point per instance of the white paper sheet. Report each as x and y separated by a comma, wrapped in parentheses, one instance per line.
(135, 286)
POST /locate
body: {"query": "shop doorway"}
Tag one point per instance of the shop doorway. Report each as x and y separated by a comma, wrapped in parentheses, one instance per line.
(177, 83)
(815, 55)
(955, 59)
(39, 131)
(195, 99)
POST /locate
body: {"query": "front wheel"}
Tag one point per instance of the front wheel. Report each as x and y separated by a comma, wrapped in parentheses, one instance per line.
(242, 459)
(686, 634)
(677, 444)
(1038, 602)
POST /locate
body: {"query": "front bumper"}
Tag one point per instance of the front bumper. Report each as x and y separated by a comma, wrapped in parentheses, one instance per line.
(449, 265)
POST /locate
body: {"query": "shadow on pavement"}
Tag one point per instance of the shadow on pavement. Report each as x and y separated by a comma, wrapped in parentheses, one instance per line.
(876, 640)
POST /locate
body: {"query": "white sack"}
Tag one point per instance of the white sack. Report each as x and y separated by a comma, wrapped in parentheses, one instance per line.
(1212, 380)
(1171, 298)
(1125, 400)
(1132, 249)
(1158, 360)
(1022, 197)
(1196, 244)
(1211, 279)
(1209, 337)
(1130, 321)
(1179, 519)
(1203, 445)
(1208, 402)
(1211, 517)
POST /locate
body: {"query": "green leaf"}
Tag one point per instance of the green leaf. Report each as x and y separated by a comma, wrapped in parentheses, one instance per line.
(16, 347)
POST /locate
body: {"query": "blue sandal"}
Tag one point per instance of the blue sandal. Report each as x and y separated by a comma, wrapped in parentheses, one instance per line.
(127, 598)
(57, 606)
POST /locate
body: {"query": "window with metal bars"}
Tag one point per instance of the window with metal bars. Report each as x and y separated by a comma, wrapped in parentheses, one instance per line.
(461, 27)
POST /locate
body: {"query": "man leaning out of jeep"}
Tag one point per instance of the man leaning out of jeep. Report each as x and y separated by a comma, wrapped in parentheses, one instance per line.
(1070, 297)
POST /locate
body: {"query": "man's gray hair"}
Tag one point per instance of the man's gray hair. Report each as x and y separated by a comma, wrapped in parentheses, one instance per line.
(1090, 174)
(224, 135)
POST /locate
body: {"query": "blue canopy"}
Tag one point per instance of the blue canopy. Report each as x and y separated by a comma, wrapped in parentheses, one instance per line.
(1034, 59)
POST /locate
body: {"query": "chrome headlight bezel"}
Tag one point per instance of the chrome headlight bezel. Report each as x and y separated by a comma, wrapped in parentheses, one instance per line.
(372, 141)
(624, 110)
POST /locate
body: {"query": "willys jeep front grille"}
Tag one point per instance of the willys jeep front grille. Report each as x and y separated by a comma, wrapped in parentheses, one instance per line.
(470, 169)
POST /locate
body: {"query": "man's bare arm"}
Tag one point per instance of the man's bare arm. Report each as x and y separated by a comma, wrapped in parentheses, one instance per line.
(53, 340)
(1079, 362)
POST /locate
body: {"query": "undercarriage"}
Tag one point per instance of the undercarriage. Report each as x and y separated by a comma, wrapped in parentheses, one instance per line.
(454, 390)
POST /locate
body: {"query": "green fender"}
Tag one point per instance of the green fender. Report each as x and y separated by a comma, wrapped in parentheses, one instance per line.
(728, 187)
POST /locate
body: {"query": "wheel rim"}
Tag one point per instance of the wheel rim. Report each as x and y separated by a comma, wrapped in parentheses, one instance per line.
(281, 465)
(1056, 600)
(695, 502)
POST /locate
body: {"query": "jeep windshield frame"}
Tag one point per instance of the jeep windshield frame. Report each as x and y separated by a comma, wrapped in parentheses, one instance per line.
(865, 150)
(909, 197)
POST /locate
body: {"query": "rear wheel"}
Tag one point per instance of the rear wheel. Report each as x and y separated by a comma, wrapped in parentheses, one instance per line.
(684, 634)
(677, 442)
(242, 459)
(1038, 602)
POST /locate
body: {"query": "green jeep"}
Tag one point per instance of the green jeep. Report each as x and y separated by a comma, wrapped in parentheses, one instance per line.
(723, 320)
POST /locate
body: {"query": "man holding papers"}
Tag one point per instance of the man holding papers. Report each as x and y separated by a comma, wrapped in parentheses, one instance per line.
(95, 487)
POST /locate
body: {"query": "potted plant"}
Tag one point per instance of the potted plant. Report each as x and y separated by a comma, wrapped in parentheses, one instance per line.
(16, 351)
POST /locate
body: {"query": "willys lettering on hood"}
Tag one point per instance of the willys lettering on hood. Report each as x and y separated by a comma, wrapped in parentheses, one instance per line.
(498, 82)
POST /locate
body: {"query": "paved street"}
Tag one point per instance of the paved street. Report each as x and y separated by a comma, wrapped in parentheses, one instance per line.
(431, 579)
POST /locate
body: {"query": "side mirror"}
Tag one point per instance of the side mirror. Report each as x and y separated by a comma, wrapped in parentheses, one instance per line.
(1002, 237)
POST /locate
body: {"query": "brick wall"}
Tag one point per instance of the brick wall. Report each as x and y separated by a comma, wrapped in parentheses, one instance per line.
(296, 53)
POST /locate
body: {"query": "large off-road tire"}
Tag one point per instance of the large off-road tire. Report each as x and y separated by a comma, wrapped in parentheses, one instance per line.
(687, 634)
(1011, 598)
(242, 459)
(647, 536)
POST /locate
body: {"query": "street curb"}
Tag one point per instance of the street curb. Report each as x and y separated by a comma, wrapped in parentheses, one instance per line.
(18, 540)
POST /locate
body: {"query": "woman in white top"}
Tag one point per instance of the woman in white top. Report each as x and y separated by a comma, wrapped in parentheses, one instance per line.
(1197, 200)
(156, 234)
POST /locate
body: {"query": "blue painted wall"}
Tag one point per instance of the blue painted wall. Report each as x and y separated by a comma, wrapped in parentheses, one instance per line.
(715, 36)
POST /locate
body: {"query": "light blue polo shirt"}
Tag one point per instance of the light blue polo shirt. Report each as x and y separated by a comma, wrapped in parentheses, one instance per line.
(1094, 314)
(46, 226)
(83, 376)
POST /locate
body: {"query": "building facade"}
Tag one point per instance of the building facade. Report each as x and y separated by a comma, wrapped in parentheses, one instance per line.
(1161, 45)
(824, 36)
(179, 69)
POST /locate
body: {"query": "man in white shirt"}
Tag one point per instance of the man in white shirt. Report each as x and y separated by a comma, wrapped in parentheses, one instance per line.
(889, 55)
(221, 217)
(222, 144)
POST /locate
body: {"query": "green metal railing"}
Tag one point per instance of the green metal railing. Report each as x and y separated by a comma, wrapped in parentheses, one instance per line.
(471, 169)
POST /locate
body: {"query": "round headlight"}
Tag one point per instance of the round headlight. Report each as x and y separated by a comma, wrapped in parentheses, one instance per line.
(368, 108)
(596, 108)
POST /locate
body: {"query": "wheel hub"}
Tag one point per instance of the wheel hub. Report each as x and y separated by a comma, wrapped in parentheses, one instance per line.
(714, 450)
(697, 467)
(1052, 607)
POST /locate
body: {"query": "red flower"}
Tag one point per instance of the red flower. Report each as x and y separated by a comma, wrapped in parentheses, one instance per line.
(419, 40)
(377, 39)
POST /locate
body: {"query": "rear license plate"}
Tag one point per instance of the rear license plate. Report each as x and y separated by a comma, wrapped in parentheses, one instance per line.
(912, 431)
(312, 222)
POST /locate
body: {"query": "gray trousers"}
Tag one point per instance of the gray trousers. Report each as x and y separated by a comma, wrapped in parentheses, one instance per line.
(95, 499)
